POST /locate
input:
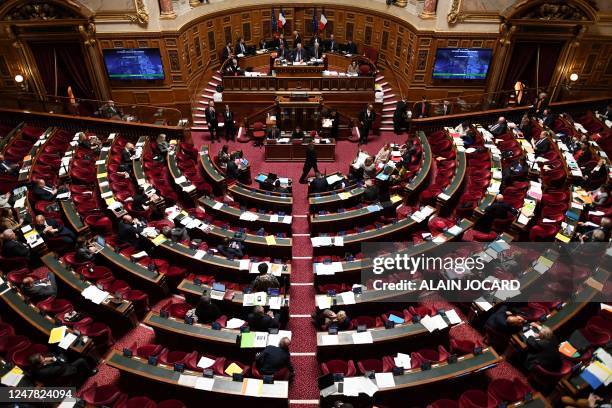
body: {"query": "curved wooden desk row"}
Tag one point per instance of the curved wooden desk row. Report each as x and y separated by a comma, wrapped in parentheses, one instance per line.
(572, 307)
(350, 218)
(404, 331)
(25, 171)
(14, 134)
(197, 331)
(426, 159)
(102, 176)
(180, 180)
(68, 207)
(335, 200)
(236, 298)
(457, 181)
(465, 365)
(123, 309)
(269, 223)
(386, 232)
(41, 322)
(242, 193)
(164, 374)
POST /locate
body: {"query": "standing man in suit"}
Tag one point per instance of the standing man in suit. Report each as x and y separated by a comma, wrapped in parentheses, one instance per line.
(299, 54)
(228, 124)
(332, 45)
(211, 120)
(241, 47)
(422, 108)
(315, 39)
(316, 51)
(351, 47)
(366, 120)
(11, 248)
(297, 39)
(398, 116)
(274, 358)
(309, 163)
(228, 52)
(446, 108)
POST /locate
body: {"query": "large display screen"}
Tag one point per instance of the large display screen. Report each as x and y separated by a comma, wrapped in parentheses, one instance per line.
(462, 63)
(134, 64)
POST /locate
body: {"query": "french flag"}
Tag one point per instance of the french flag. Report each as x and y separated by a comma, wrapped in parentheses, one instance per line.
(322, 20)
(281, 19)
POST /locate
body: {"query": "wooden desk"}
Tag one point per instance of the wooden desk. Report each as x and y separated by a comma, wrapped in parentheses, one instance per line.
(276, 393)
(274, 151)
(426, 159)
(211, 172)
(186, 186)
(298, 70)
(25, 170)
(335, 200)
(261, 199)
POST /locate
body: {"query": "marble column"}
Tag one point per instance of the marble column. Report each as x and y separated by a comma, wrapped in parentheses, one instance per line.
(194, 3)
(429, 8)
(167, 11)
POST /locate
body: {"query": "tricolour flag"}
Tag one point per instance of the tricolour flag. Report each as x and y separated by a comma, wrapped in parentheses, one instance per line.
(281, 19)
(322, 20)
(315, 26)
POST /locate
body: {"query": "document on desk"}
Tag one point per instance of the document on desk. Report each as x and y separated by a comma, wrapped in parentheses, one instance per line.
(321, 241)
(402, 360)
(334, 178)
(384, 380)
(205, 384)
(429, 324)
(348, 298)
(205, 362)
(287, 219)
(234, 323)
(57, 334)
(187, 380)
(252, 387)
(362, 338)
(275, 302)
(453, 317)
(483, 304)
(329, 339)
(260, 340)
(13, 377)
(67, 341)
(323, 302)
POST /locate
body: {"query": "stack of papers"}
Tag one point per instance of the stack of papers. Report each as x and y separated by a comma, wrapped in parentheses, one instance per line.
(327, 268)
(355, 385)
(362, 338)
(95, 294)
(329, 339)
(402, 360)
(234, 323)
(434, 323)
(321, 241)
(13, 377)
(254, 299)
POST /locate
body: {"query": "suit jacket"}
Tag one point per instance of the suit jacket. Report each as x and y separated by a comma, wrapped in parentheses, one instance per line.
(297, 40)
(241, 48)
(319, 185)
(366, 119)
(207, 312)
(400, 109)
(273, 133)
(228, 118)
(542, 145)
(331, 46)
(548, 120)
(285, 53)
(448, 109)
(54, 372)
(278, 41)
(311, 157)
(42, 291)
(232, 69)
(15, 249)
(42, 194)
(258, 322)
(422, 109)
(211, 117)
(497, 322)
(351, 48)
(499, 129)
(526, 130)
(232, 170)
(226, 53)
(127, 232)
(272, 359)
(126, 157)
(544, 353)
(140, 200)
(497, 211)
(314, 53)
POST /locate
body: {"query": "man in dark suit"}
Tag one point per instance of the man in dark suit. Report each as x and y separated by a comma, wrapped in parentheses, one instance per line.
(241, 47)
(39, 289)
(331, 44)
(542, 145)
(261, 321)
(273, 133)
(422, 108)
(228, 51)
(548, 118)
(274, 358)
(298, 133)
(398, 116)
(366, 120)
(127, 154)
(500, 127)
(309, 163)
(58, 370)
(543, 350)
(297, 39)
(299, 54)
(319, 184)
(52, 228)
(283, 52)
(350, 47)
(128, 232)
(499, 210)
(11, 248)
(505, 321)
(232, 172)
(231, 248)
(446, 108)
(206, 311)
(212, 122)
(315, 40)
(316, 51)
(228, 124)
(43, 192)
(281, 41)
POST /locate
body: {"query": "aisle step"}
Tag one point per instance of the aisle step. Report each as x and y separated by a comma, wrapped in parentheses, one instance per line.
(393, 102)
(389, 96)
(217, 78)
(388, 109)
(383, 84)
(386, 128)
(380, 78)
(210, 90)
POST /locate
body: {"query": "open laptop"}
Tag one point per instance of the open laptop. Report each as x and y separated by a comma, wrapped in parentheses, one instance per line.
(218, 291)
(98, 243)
(327, 385)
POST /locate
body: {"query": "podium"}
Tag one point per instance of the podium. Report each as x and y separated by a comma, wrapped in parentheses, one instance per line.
(298, 108)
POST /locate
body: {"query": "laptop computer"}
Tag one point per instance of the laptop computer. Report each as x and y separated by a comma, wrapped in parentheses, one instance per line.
(218, 291)
(98, 243)
(327, 385)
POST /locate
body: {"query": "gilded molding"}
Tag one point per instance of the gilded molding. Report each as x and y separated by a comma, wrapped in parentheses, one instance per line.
(142, 14)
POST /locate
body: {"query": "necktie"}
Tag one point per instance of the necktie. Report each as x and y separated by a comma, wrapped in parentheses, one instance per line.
(423, 107)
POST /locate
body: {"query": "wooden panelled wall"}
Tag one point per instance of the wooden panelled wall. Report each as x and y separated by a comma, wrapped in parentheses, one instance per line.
(409, 53)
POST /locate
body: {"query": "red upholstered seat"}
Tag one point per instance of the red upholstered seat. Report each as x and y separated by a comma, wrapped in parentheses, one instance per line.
(171, 403)
(20, 356)
(543, 378)
(368, 321)
(346, 368)
(70, 259)
(443, 403)
(12, 342)
(177, 310)
(281, 375)
(100, 395)
(222, 363)
(383, 365)
(476, 399)
(462, 347)
(147, 350)
(98, 331)
(96, 273)
(51, 305)
(506, 390)
(428, 355)
(136, 402)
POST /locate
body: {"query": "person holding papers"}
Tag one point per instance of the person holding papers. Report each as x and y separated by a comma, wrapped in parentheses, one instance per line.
(43, 192)
(56, 370)
(264, 280)
(11, 248)
(543, 350)
(52, 228)
(129, 232)
(39, 289)
(206, 311)
(275, 358)
(503, 323)
(261, 321)
(6, 167)
(127, 155)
